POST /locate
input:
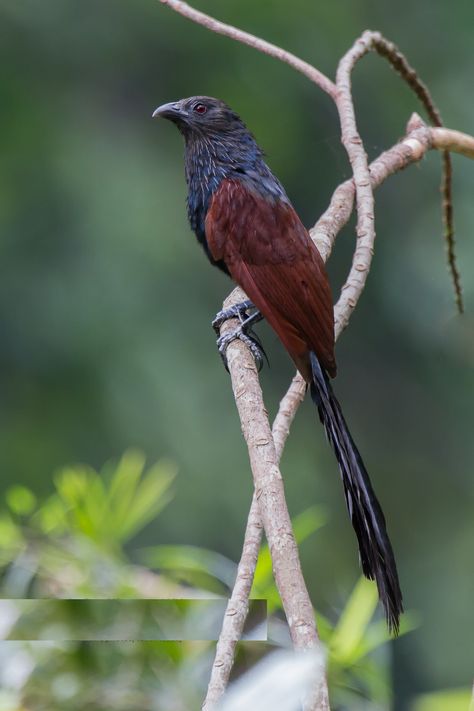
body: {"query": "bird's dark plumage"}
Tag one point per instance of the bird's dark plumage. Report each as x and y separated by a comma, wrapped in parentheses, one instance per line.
(243, 218)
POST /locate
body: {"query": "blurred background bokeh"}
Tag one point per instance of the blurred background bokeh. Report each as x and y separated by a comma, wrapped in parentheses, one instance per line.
(106, 300)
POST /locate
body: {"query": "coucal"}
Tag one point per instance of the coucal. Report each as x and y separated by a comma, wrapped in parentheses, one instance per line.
(247, 226)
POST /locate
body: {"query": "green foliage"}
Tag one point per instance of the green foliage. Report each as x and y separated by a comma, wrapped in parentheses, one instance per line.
(20, 500)
(196, 566)
(71, 545)
(449, 700)
(80, 530)
(111, 512)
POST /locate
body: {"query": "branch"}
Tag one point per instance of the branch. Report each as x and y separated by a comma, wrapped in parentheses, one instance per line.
(236, 610)
(272, 506)
(361, 180)
(238, 605)
(455, 141)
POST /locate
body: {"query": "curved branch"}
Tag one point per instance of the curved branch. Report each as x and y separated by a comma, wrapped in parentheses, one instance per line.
(454, 141)
(360, 168)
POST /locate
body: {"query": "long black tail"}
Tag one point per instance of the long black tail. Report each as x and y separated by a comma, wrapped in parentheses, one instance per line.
(376, 555)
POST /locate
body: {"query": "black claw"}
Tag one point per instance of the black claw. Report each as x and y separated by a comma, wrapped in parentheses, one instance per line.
(250, 341)
(243, 332)
(239, 311)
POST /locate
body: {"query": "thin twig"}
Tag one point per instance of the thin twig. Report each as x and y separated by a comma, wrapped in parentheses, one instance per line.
(455, 141)
(398, 61)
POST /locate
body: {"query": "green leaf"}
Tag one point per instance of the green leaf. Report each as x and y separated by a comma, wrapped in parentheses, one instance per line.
(151, 496)
(450, 699)
(125, 481)
(190, 558)
(354, 621)
(51, 516)
(377, 634)
(20, 500)
(10, 534)
(111, 512)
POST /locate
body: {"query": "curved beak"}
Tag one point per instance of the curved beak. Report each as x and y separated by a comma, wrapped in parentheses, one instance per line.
(169, 111)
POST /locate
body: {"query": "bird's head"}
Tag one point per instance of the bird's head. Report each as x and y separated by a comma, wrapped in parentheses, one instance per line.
(201, 116)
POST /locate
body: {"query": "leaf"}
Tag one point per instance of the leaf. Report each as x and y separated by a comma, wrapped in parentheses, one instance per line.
(124, 483)
(450, 699)
(20, 500)
(354, 621)
(151, 496)
(191, 558)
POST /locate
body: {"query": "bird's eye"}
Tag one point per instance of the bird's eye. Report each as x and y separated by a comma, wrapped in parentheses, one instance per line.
(200, 108)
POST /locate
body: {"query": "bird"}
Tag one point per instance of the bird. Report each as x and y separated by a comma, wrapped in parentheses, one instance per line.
(248, 228)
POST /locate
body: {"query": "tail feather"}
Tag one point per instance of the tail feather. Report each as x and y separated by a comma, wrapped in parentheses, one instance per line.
(376, 554)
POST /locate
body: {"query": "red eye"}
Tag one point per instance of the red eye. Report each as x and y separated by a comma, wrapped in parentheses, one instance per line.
(200, 108)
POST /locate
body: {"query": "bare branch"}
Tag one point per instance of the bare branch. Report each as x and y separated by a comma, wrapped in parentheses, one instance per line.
(236, 611)
(261, 45)
(455, 141)
(237, 607)
(271, 502)
(364, 195)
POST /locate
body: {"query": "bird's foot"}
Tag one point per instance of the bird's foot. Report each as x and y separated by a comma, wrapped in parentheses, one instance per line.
(240, 311)
(243, 332)
(251, 342)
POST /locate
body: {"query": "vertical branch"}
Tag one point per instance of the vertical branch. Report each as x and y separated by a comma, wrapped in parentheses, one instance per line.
(238, 605)
(269, 492)
(364, 194)
(236, 610)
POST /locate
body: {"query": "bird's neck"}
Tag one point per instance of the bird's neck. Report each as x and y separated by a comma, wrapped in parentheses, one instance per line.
(211, 159)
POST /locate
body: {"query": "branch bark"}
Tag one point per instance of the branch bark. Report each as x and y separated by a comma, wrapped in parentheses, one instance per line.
(273, 511)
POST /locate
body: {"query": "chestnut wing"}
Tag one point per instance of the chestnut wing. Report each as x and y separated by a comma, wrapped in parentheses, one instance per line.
(270, 254)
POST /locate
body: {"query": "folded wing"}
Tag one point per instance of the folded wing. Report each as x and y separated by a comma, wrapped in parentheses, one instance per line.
(270, 254)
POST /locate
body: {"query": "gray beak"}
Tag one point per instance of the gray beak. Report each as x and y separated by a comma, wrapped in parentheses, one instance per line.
(169, 111)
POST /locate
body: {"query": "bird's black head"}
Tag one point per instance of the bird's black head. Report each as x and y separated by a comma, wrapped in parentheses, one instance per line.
(202, 116)
(218, 146)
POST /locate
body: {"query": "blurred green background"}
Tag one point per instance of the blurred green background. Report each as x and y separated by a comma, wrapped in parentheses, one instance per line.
(106, 300)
